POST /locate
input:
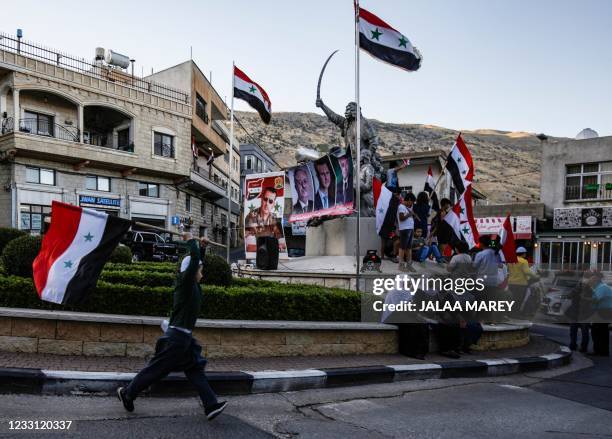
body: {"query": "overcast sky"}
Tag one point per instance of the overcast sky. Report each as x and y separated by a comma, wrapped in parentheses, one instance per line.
(520, 65)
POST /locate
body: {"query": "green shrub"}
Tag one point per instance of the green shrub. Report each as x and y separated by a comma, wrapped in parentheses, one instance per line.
(156, 267)
(122, 255)
(18, 255)
(138, 278)
(7, 234)
(216, 271)
(277, 302)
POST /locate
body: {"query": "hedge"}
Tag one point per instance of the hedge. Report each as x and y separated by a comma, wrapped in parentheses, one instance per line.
(135, 277)
(245, 302)
(121, 254)
(7, 234)
(18, 255)
(158, 267)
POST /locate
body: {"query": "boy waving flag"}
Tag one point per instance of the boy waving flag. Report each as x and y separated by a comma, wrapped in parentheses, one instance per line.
(385, 43)
(253, 94)
(74, 251)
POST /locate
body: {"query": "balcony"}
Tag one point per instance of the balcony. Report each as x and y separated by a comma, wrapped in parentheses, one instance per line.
(589, 192)
(43, 128)
(200, 182)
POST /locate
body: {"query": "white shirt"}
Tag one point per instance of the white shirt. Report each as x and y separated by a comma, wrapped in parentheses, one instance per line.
(408, 223)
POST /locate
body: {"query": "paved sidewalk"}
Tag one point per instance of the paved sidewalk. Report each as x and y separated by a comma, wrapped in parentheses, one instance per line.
(537, 346)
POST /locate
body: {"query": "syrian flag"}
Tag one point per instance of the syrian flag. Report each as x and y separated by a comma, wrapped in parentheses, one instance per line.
(194, 148)
(386, 211)
(429, 188)
(74, 251)
(461, 219)
(460, 165)
(507, 244)
(385, 43)
(211, 159)
(376, 188)
(253, 93)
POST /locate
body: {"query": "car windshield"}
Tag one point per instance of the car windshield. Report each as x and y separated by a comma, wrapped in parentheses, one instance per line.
(565, 282)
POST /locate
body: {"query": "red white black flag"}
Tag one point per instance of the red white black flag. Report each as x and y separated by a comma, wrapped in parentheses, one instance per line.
(461, 219)
(460, 165)
(507, 244)
(74, 251)
(385, 43)
(429, 188)
(253, 94)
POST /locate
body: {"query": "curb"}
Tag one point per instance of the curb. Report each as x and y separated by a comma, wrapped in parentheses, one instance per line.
(58, 382)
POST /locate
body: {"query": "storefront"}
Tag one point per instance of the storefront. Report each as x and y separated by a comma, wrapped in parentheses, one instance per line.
(581, 239)
(107, 204)
(149, 210)
(33, 205)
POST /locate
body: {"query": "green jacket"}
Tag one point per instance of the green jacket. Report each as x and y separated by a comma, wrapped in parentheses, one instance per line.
(187, 292)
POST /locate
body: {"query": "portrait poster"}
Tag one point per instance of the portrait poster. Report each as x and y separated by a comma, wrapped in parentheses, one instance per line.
(322, 187)
(264, 198)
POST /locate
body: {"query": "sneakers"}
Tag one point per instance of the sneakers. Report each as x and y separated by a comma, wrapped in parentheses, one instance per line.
(128, 404)
(215, 410)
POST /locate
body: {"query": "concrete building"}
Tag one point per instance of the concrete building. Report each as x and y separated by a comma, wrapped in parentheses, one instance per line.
(254, 160)
(412, 178)
(576, 190)
(208, 182)
(88, 133)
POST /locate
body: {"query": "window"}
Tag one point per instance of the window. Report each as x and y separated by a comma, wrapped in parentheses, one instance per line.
(203, 208)
(258, 164)
(33, 217)
(40, 176)
(226, 157)
(188, 202)
(201, 108)
(37, 123)
(123, 138)
(148, 189)
(588, 181)
(95, 183)
(163, 145)
(249, 162)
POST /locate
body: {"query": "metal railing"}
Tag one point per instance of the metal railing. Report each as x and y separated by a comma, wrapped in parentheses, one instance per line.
(81, 65)
(42, 127)
(103, 140)
(6, 126)
(589, 192)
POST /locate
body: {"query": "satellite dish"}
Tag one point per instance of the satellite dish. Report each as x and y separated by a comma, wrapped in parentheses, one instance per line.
(587, 133)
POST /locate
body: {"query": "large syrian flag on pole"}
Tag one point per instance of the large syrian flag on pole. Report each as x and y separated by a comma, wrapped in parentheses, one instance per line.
(74, 251)
(461, 219)
(253, 94)
(460, 165)
(429, 188)
(386, 210)
(385, 43)
(507, 243)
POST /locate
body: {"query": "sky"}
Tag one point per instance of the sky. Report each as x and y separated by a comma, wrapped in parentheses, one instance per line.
(519, 65)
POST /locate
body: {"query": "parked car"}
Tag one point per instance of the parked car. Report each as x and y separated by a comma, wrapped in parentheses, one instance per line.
(557, 299)
(150, 246)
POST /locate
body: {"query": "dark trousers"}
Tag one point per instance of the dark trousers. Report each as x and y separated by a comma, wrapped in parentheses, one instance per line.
(584, 336)
(448, 336)
(413, 339)
(470, 334)
(601, 338)
(176, 351)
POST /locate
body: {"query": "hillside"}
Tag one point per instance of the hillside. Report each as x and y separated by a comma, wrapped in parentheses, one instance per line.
(507, 163)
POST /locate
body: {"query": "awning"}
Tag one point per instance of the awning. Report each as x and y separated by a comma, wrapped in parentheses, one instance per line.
(492, 225)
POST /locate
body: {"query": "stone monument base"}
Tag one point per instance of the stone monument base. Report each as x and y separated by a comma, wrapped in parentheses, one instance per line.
(336, 237)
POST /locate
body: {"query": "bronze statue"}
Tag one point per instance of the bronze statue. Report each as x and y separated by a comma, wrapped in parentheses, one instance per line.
(369, 143)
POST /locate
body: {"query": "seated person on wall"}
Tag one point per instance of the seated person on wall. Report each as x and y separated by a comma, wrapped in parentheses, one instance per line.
(422, 249)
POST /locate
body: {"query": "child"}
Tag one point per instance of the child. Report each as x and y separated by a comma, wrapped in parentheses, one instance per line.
(405, 219)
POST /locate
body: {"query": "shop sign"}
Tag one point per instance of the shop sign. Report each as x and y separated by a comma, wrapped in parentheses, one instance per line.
(90, 200)
(582, 217)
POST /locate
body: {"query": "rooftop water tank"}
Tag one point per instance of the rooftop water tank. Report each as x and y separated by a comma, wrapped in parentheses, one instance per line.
(116, 59)
(587, 133)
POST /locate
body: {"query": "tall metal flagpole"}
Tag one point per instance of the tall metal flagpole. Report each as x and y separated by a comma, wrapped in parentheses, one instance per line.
(231, 155)
(357, 142)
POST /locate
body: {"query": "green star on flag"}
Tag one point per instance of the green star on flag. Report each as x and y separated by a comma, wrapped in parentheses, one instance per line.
(88, 237)
(252, 89)
(403, 41)
(465, 231)
(462, 210)
(376, 34)
(67, 264)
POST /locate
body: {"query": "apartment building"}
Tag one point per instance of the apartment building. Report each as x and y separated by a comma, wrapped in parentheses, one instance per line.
(208, 182)
(91, 134)
(576, 189)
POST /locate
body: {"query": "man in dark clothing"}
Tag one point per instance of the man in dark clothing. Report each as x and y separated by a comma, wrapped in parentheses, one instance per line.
(177, 350)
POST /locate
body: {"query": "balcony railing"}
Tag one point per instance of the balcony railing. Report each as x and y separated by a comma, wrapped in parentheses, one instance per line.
(42, 127)
(34, 51)
(588, 192)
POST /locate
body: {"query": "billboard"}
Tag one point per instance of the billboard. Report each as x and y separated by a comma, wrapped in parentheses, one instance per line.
(322, 187)
(264, 198)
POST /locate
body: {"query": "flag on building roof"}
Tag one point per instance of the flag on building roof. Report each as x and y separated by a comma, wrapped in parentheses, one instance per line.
(385, 43)
(74, 251)
(460, 165)
(253, 94)
(430, 184)
(507, 244)
(461, 219)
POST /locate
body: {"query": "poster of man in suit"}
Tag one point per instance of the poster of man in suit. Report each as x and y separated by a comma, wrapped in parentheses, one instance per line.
(302, 189)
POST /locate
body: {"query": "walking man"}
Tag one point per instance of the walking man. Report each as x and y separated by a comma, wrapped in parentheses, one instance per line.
(177, 350)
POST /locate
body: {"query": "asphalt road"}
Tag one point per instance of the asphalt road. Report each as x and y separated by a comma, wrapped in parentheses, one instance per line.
(574, 401)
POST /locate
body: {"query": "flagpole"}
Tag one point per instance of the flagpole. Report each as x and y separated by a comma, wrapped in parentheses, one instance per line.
(231, 154)
(357, 143)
